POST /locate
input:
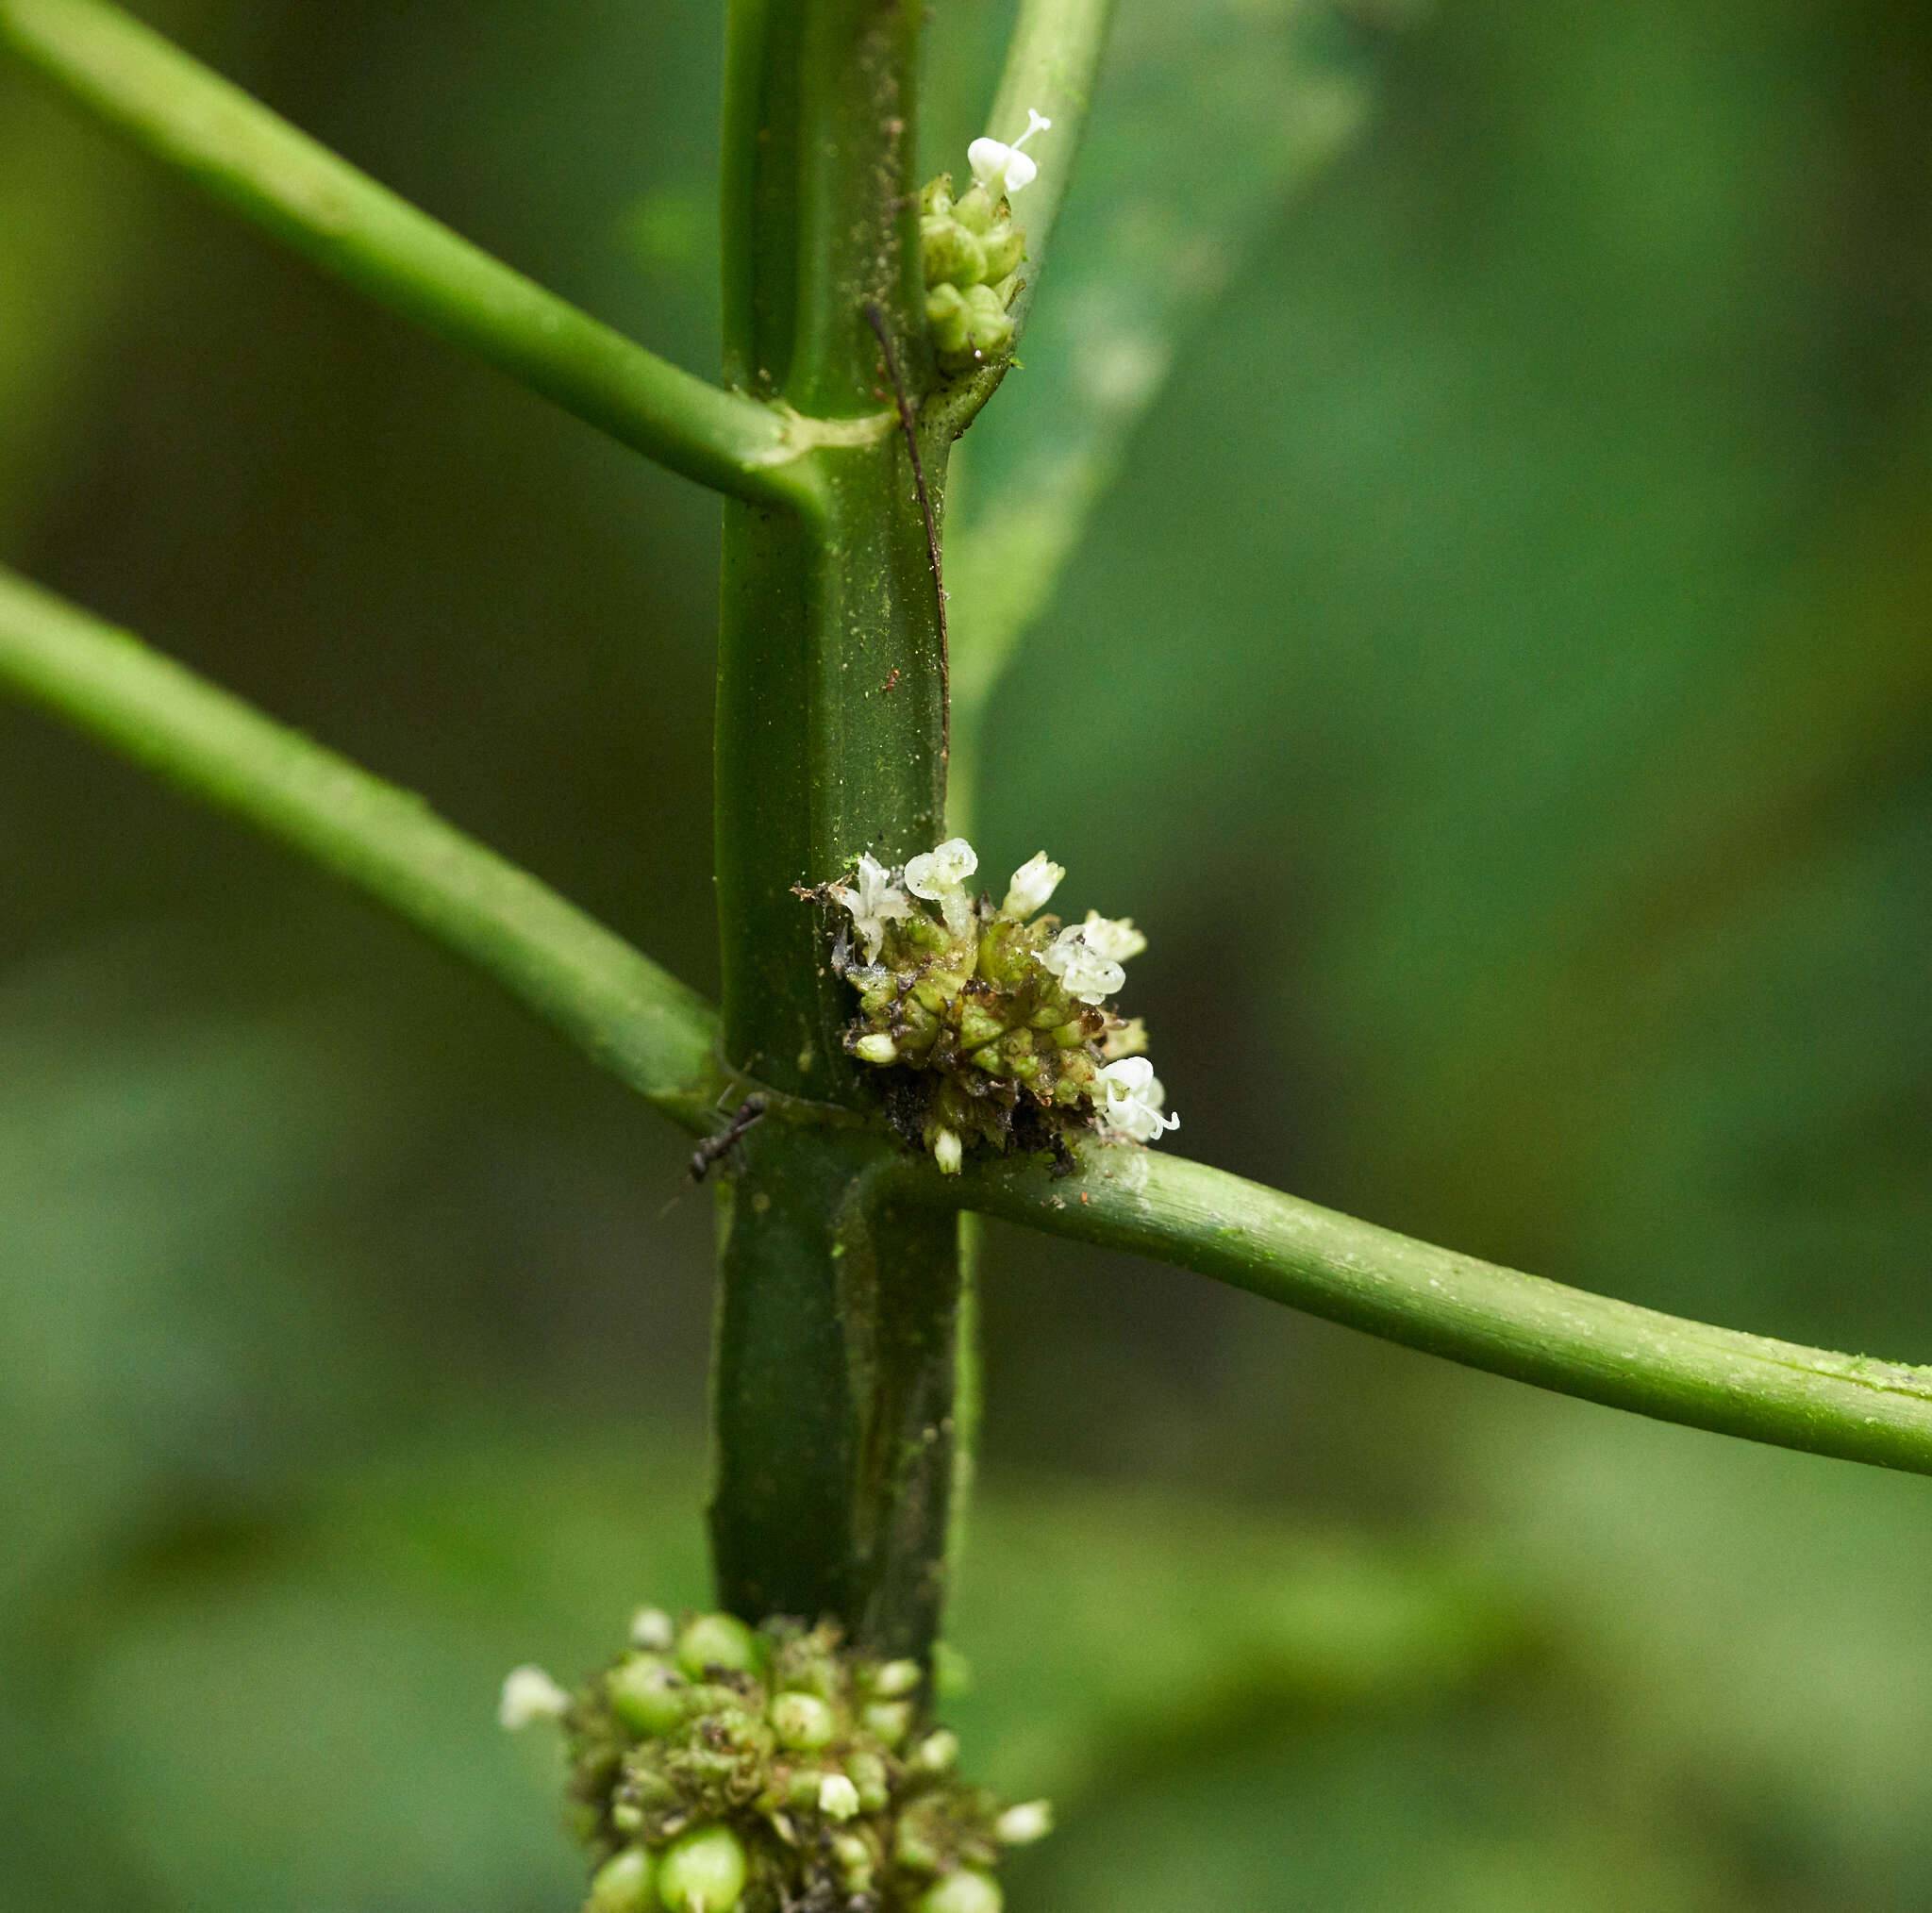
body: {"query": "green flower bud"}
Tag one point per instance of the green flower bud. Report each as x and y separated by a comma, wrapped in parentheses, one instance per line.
(953, 254)
(701, 1871)
(622, 1884)
(892, 1720)
(965, 1891)
(867, 1772)
(937, 195)
(988, 331)
(1068, 1035)
(988, 1059)
(931, 993)
(647, 1694)
(1002, 250)
(838, 1797)
(978, 1025)
(913, 1846)
(802, 1789)
(803, 1722)
(973, 209)
(895, 1679)
(877, 1048)
(856, 1862)
(946, 312)
(717, 1641)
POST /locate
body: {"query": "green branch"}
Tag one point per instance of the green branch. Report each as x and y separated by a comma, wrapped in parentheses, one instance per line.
(1535, 1330)
(654, 1034)
(342, 221)
(618, 1007)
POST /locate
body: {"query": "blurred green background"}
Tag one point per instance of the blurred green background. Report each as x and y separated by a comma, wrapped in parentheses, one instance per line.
(1495, 668)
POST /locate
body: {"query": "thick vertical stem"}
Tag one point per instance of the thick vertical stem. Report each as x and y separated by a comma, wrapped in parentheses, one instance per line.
(833, 1379)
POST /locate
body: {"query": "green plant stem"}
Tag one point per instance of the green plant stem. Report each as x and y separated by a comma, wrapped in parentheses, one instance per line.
(1524, 1326)
(340, 219)
(833, 1380)
(619, 1008)
(657, 1036)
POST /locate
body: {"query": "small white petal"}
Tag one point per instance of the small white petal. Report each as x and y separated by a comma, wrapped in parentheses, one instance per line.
(1021, 1826)
(895, 1679)
(529, 1694)
(652, 1629)
(1131, 1101)
(1003, 168)
(939, 872)
(988, 160)
(948, 1152)
(1114, 938)
(838, 1797)
(938, 1751)
(875, 902)
(1034, 882)
(1084, 974)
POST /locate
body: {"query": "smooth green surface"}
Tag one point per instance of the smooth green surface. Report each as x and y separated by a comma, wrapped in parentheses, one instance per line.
(618, 1007)
(1523, 1327)
(252, 161)
(833, 1374)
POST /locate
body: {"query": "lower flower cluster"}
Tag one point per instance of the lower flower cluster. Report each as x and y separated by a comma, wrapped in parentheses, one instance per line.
(717, 1768)
(989, 1025)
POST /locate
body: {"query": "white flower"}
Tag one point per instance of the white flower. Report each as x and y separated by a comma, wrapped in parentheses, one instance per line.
(652, 1628)
(1003, 168)
(838, 1797)
(940, 876)
(948, 1152)
(876, 902)
(938, 1751)
(1114, 937)
(529, 1694)
(1021, 1826)
(1131, 1101)
(1084, 974)
(1034, 882)
(896, 1679)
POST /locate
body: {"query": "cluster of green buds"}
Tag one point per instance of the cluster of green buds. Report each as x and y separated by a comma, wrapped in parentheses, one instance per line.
(716, 1767)
(988, 1024)
(973, 251)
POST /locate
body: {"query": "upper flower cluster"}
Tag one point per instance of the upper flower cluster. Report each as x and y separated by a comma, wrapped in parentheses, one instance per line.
(972, 250)
(991, 1019)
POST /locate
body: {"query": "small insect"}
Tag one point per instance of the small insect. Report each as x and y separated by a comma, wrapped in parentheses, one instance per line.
(891, 680)
(712, 1148)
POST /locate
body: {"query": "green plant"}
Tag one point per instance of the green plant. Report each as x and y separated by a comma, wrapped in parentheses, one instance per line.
(842, 1284)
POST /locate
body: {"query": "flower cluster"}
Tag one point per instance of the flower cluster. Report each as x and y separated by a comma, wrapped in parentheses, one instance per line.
(988, 1024)
(717, 1768)
(973, 251)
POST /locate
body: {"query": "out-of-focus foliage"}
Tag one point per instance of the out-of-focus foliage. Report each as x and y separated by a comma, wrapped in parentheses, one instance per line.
(1500, 682)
